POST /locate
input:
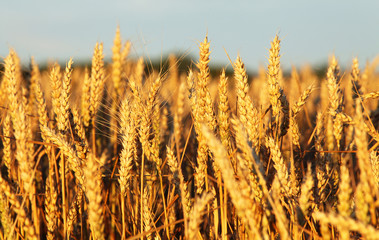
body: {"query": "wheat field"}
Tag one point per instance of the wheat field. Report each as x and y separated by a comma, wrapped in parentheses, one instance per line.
(119, 150)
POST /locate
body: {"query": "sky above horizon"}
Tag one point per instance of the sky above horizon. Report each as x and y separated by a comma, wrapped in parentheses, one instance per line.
(310, 30)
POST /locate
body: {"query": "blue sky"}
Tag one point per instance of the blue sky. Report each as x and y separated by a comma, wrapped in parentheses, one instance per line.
(310, 30)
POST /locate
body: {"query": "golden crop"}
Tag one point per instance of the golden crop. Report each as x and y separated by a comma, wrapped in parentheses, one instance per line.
(118, 152)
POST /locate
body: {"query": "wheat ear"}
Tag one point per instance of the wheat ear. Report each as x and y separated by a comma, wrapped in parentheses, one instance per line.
(116, 61)
(63, 121)
(205, 110)
(178, 117)
(7, 147)
(279, 164)
(94, 196)
(344, 196)
(51, 208)
(196, 214)
(242, 90)
(128, 132)
(21, 212)
(305, 200)
(97, 81)
(20, 123)
(374, 159)
(347, 223)
(364, 198)
(273, 78)
(74, 162)
(86, 98)
(5, 217)
(223, 112)
(56, 85)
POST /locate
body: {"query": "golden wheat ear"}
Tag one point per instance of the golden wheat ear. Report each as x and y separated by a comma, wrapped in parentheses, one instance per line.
(94, 195)
(273, 77)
